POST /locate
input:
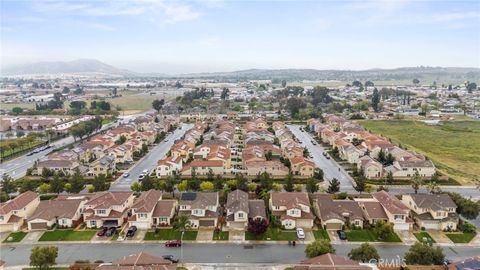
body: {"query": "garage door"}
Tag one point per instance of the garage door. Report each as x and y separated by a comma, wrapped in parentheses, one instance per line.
(207, 223)
(333, 226)
(39, 225)
(431, 226)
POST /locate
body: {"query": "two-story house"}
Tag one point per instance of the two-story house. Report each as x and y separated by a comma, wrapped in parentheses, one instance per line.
(397, 212)
(202, 208)
(432, 211)
(292, 209)
(108, 209)
(334, 214)
(237, 209)
(14, 212)
(169, 166)
(149, 210)
(65, 212)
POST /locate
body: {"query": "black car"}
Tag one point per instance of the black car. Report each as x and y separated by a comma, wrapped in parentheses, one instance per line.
(342, 235)
(131, 231)
(111, 231)
(170, 258)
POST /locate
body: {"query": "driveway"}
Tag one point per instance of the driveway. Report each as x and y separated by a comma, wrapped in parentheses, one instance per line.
(236, 235)
(330, 167)
(407, 237)
(439, 237)
(32, 237)
(205, 234)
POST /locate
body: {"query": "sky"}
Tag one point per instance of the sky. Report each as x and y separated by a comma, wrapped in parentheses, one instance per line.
(220, 35)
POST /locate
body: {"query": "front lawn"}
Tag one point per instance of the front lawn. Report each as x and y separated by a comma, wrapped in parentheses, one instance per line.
(274, 234)
(16, 237)
(321, 234)
(369, 235)
(170, 234)
(422, 235)
(462, 238)
(67, 235)
(220, 235)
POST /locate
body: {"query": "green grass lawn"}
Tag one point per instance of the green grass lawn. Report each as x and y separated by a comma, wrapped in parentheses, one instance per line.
(9, 106)
(220, 235)
(170, 234)
(454, 146)
(369, 235)
(321, 234)
(421, 235)
(67, 235)
(274, 234)
(16, 237)
(462, 238)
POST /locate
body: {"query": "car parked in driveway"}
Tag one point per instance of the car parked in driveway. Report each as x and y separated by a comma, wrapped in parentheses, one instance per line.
(300, 234)
(170, 258)
(102, 231)
(131, 231)
(342, 235)
(111, 231)
(173, 243)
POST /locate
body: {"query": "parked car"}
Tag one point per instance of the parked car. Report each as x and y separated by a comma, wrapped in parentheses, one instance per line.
(173, 243)
(342, 235)
(300, 234)
(170, 258)
(141, 176)
(31, 153)
(102, 231)
(125, 175)
(166, 140)
(131, 231)
(145, 171)
(111, 231)
(328, 157)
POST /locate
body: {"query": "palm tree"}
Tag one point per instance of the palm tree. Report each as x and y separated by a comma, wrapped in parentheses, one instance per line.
(434, 187)
(182, 222)
(417, 182)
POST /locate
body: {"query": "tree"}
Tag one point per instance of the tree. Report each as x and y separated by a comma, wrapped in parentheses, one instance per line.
(44, 188)
(257, 226)
(7, 184)
(360, 182)
(43, 257)
(424, 254)
(17, 110)
(311, 185)
(183, 185)
(294, 105)
(390, 178)
(416, 182)
(364, 253)
(289, 183)
(383, 229)
(121, 140)
(158, 104)
(170, 184)
(375, 100)
(318, 174)
(56, 185)
(241, 182)
(416, 81)
(319, 247)
(471, 86)
(65, 90)
(147, 183)
(181, 223)
(284, 83)
(210, 175)
(206, 186)
(136, 187)
(465, 207)
(100, 183)
(334, 186)
(218, 182)
(77, 182)
(265, 181)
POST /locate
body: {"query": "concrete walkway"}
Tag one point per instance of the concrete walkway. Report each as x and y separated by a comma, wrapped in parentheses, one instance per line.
(205, 235)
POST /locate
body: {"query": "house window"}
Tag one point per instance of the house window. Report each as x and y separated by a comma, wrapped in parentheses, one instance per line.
(398, 217)
(1, 218)
(142, 215)
(101, 212)
(93, 223)
(183, 207)
(197, 212)
(240, 215)
(357, 222)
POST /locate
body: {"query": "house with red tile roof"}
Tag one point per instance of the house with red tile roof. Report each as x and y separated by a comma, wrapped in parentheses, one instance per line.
(397, 212)
(169, 166)
(14, 212)
(302, 167)
(65, 212)
(150, 210)
(291, 209)
(139, 261)
(203, 167)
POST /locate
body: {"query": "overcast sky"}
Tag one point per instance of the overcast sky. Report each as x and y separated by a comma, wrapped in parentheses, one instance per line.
(196, 36)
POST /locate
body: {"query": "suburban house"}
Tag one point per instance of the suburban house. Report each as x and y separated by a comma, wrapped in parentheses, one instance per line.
(272, 167)
(292, 209)
(68, 167)
(396, 211)
(256, 210)
(372, 210)
(408, 168)
(169, 166)
(65, 213)
(203, 167)
(138, 261)
(202, 208)
(371, 168)
(331, 262)
(108, 209)
(432, 211)
(104, 165)
(142, 209)
(164, 212)
(14, 212)
(237, 209)
(335, 214)
(302, 167)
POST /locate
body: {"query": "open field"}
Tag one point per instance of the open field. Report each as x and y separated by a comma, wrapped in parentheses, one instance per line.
(453, 146)
(9, 106)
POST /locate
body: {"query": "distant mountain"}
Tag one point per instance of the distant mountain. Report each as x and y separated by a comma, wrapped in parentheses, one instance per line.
(407, 73)
(80, 66)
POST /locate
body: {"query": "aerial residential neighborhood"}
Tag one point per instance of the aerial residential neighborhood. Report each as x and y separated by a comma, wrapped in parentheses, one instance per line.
(238, 135)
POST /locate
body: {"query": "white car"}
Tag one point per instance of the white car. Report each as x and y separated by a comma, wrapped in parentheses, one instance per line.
(300, 234)
(125, 175)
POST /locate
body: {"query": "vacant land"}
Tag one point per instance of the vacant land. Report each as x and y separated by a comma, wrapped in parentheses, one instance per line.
(67, 235)
(9, 106)
(454, 146)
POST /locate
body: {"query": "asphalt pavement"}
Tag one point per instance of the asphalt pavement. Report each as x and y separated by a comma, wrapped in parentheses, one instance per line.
(206, 253)
(331, 169)
(149, 162)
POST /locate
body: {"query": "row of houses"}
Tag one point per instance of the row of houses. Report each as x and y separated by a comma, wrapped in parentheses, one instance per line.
(102, 152)
(359, 147)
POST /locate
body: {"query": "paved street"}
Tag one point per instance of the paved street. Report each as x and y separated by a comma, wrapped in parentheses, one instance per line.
(17, 167)
(150, 160)
(330, 168)
(206, 253)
